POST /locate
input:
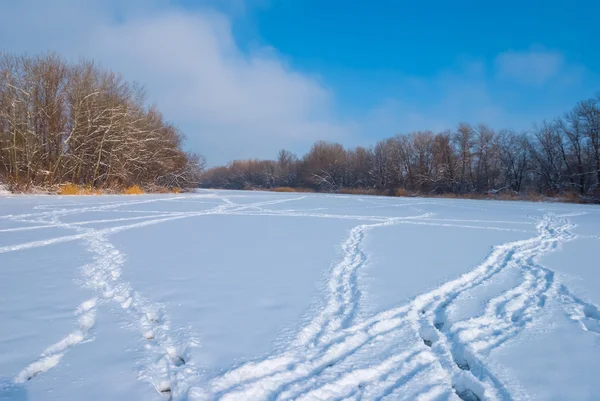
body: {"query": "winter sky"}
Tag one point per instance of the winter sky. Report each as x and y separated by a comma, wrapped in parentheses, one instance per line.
(246, 78)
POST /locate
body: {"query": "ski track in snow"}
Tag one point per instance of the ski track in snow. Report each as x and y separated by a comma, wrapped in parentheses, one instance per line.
(326, 359)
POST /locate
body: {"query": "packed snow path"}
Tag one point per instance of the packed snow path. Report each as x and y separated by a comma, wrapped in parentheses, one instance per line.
(430, 346)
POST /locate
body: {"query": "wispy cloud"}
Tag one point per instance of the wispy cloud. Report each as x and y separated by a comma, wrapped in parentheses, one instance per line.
(235, 103)
(231, 104)
(512, 90)
(531, 67)
(252, 104)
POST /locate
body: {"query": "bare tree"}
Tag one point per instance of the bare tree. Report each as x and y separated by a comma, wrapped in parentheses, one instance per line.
(552, 158)
(325, 165)
(78, 123)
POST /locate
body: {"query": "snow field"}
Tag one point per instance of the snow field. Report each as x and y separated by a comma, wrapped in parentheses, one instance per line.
(382, 298)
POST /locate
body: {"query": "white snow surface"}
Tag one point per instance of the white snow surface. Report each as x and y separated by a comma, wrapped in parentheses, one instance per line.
(225, 295)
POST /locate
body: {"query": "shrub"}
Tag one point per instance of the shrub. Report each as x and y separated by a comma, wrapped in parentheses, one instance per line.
(158, 189)
(535, 197)
(358, 191)
(72, 189)
(134, 190)
(289, 189)
(572, 197)
(91, 191)
(401, 192)
(69, 189)
(161, 189)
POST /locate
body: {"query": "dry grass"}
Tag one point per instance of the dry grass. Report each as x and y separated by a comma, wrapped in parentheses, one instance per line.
(358, 191)
(504, 196)
(302, 189)
(134, 190)
(571, 197)
(72, 189)
(289, 189)
(160, 190)
(450, 195)
(531, 197)
(567, 197)
(401, 192)
(69, 189)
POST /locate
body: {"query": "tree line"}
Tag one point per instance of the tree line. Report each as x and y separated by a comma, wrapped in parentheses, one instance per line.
(78, 123)
(557, 157)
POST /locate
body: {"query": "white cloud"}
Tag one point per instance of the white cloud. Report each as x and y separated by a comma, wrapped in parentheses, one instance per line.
(252, 104)
(239, 104)
(230, 104)
(532, 67)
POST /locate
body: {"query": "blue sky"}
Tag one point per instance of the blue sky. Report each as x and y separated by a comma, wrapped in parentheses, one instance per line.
(366, 49)
(244, 78)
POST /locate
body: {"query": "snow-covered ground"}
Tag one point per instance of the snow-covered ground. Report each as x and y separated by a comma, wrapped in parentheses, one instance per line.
(223, 295)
